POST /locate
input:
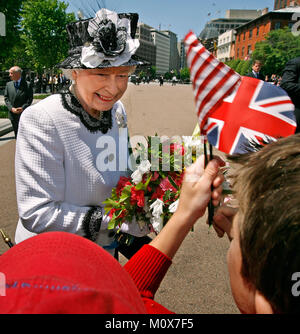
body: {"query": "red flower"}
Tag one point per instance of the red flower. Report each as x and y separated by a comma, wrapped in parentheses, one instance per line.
(166, 185)
(117, 211)
(155, 176)
(137, 197)
(123, 182)
(174, 147)
(111, 212)
(158, 194)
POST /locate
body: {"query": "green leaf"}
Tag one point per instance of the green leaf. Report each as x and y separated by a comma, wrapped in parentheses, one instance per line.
(107, 209)
(111, 224)
(173, 183)
(127, 190)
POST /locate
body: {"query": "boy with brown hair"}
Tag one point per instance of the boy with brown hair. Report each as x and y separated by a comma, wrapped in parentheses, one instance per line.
(263, 258)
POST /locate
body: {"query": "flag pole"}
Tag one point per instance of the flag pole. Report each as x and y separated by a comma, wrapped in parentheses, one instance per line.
(210, 204)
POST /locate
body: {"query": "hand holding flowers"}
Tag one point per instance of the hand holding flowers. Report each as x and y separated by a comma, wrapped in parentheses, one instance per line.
(194, 197)
(149, 196)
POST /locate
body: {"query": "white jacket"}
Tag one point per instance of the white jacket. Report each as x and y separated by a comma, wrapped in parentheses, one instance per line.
(59, 166)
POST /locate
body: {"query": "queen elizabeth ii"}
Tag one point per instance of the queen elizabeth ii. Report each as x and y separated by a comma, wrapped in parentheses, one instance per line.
(59, 181)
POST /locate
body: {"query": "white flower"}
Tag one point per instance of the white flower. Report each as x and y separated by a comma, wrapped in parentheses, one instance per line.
(145, 166)
(137, 176)
(157, 208)
(190, 141)
(173, 207)
(142, 169)
(157, 223)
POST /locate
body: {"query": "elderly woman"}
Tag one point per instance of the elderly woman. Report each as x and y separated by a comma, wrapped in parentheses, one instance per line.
(69, 145)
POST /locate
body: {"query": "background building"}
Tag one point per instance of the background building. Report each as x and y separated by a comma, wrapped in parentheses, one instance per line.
(162, 43)
(256, 30)
(174, 55)
(278, 4)
(182, 56)
(147, 49)
(225, 45)
(234, 18)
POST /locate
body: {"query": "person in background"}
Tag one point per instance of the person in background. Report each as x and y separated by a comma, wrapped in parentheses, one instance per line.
(255, 73)
(290, 82)
(18, 96)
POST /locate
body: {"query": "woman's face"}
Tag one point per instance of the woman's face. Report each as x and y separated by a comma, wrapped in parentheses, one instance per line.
(100, 89)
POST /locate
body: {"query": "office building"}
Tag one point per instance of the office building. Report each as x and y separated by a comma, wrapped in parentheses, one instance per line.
(147, 49)
(162, 43)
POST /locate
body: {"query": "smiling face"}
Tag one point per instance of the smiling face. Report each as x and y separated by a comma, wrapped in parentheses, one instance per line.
(100, 89)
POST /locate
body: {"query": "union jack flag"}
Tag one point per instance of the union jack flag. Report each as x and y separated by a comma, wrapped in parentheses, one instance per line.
(237, 110)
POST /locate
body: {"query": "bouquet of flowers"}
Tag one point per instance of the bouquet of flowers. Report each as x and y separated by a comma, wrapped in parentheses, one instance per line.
(150, 195)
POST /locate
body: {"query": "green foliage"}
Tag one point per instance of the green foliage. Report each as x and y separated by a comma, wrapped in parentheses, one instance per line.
(3, 111)
(44, 32)
(185, 74)
(233, 63)
(240, 66)
(10, 42)
(279, 47)
(245, 68)
(152, 72)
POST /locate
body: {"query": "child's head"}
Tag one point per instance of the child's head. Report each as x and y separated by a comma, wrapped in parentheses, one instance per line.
(257, 65)
(266, 250)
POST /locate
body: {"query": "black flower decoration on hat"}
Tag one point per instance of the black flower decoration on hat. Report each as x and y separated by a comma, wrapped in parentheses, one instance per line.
(111, 40)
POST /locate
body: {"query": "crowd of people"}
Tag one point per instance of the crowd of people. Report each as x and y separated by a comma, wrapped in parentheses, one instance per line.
(63, 260)
(47, 83)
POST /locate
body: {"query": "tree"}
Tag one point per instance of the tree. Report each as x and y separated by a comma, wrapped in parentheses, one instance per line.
(44, 32)
(152, 71)
(238, 68)
(245, 67)
(9, 43)
(279, 47)
(185, 74)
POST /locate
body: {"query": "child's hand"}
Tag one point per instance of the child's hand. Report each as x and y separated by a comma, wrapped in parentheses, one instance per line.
(222, 221)
(196, 188)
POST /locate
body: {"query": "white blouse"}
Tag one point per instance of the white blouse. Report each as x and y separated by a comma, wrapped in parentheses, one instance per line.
(65, 166)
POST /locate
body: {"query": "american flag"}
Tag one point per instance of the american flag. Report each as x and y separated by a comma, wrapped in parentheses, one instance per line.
(212, 80)
(235, 110)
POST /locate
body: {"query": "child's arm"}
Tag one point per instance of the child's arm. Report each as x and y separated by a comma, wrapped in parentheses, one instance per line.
(194, 198)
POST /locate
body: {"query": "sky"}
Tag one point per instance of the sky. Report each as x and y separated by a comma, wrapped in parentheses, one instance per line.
(179, 16)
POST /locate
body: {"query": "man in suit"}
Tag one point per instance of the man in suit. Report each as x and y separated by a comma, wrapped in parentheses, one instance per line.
(18, 95)
(291, 84)
(255, 73)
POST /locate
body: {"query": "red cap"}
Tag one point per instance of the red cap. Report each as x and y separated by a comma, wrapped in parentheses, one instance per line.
(59, 272)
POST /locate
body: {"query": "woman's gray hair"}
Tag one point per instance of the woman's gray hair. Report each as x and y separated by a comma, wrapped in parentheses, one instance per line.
(68, 72)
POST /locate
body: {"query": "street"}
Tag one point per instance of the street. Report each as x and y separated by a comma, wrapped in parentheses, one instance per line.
(197, 282)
